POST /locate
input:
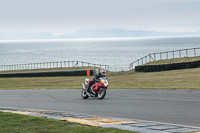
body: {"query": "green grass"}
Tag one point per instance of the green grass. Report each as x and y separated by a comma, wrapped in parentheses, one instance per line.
(175, 79)
(15, 123)
(175, 60)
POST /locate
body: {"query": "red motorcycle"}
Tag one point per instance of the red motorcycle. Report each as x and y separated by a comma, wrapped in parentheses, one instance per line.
(98, 89)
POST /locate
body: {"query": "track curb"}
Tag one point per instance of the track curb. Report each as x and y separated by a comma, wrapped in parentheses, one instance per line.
(105, 122)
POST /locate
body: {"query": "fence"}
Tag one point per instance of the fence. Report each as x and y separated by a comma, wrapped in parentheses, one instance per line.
(61, 64)
(192, 52)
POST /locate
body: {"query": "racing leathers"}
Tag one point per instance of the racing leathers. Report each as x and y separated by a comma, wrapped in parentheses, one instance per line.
(95, 79)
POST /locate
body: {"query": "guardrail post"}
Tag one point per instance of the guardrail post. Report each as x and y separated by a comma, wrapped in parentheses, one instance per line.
(180, 53)
(64, 63)
(146, 59)
(149, 58)
(186, 53)
(142, 61)
(195, 52)
(160, 56)
(61, 64)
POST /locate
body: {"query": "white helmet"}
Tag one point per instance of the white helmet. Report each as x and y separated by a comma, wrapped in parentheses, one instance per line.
(103, 72)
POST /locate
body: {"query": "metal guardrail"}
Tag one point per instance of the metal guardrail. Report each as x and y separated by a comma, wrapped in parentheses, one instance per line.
(192, 52)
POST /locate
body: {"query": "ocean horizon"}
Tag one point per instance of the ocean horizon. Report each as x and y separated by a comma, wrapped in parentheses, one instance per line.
(108, 51)
(98, 38)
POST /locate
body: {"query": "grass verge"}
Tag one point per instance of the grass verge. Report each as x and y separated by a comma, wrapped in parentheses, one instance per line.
(176, 79)
(175, 60)
(16, 123)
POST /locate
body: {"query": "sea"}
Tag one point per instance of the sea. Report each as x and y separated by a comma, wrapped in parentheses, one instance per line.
(108, 51)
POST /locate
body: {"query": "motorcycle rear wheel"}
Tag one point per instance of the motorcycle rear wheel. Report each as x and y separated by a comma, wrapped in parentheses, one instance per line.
(102, 93)
(84, 94)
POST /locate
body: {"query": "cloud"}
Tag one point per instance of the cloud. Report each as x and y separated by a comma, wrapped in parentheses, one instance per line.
(170, 6)
(67, 16)
(180, 6)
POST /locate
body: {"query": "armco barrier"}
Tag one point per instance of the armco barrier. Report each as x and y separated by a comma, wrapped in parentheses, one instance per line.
(165, 67)
(51, 73)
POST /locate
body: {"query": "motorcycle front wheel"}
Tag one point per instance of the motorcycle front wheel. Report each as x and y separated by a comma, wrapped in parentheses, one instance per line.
(84, 94)
(102, 93)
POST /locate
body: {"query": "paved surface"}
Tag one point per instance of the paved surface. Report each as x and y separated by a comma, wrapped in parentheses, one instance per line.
(168, 106)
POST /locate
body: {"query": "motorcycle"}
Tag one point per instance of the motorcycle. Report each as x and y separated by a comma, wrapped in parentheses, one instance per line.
(98, 89)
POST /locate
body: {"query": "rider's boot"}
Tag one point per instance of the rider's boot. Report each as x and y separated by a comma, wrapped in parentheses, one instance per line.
(88, 89)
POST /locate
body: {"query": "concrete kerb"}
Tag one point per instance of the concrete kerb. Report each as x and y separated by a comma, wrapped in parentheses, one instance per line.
(105, 122)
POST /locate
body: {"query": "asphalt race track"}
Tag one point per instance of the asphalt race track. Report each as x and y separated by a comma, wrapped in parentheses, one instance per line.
(168, 106)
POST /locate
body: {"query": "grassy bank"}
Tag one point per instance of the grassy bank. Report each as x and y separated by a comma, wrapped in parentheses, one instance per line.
(15, 123)
(175, 60)
(176, 79)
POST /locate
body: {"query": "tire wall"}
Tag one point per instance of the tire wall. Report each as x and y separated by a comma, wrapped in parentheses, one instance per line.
(50, 73)
(165, 67)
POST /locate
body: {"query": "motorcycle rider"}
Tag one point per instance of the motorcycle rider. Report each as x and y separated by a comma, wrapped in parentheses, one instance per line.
(102, 73)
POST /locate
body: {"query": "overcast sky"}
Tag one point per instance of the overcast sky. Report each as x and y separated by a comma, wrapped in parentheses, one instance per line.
(67, 16)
